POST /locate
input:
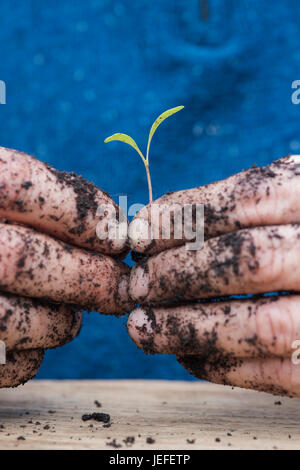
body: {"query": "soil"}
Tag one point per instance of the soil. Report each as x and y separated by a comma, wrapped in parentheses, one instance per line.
(129, 440)
(100, 417)
(150, 440)
(114, 444)
(191, 441)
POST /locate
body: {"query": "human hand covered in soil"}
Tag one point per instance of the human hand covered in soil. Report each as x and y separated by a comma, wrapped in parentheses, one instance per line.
(51, 257)
(252, 246)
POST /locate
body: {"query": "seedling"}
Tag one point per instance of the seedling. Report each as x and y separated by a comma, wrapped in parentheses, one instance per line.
(128, 140)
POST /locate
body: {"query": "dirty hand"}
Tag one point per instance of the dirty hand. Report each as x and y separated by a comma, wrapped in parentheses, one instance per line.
(252, 246)
(50, 258)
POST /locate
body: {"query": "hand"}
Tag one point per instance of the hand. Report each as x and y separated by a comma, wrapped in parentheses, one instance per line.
(252, 246)
(50, 258)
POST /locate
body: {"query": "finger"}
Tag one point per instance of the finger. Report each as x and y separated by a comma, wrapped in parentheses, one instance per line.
(55, 202)
(20, 367)
(249, 328)
(256, 197)
(271, 375)
(29, 324)
(35, 265)
(258, 260)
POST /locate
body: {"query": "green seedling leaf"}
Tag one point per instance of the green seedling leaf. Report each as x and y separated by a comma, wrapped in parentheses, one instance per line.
(127, 140)
(157, 123)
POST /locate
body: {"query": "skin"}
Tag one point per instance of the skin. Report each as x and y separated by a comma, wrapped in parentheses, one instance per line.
(51, 258)
(252, 246)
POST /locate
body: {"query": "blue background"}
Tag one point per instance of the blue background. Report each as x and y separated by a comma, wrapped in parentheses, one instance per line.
(79, 70)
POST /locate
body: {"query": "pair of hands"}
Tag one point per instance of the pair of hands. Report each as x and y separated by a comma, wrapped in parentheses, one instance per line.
(252, 245)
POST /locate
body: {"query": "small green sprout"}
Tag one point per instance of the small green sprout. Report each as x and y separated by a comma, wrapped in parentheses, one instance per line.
(128, 140)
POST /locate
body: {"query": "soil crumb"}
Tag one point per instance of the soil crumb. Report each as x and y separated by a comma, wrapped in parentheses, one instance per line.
(129, 440)
(114, 444)
(101, 417)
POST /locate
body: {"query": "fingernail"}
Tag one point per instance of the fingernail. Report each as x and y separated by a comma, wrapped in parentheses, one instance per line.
(139, 327)
(123, 286)
(117, 234)
(139, 234)
(123, 291)
(139, 283)
(112, 231)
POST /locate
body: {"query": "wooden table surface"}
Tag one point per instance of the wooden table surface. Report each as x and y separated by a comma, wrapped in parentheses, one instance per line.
(47, 415)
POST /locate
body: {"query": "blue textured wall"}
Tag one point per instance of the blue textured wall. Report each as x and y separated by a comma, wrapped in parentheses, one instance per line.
(77, 71)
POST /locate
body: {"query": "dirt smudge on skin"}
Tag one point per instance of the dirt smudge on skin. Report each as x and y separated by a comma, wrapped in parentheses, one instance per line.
(86, 201)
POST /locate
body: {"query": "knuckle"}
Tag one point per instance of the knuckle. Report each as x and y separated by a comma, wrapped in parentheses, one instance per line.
(276, 376)
(15, 170)
(11, 246)
(283, 373)
(269, 257)
(258, 197)
(264, 326)
(274, 328)
(248, 211)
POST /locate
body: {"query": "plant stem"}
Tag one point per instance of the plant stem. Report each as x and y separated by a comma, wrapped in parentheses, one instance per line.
(149, 182)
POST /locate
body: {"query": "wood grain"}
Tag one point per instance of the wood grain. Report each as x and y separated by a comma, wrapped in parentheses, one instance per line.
(47, 414)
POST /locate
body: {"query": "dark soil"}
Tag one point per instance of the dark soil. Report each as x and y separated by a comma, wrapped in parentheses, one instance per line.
(129, 440)
(100, 417)
(114, 444)
(150, 440)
